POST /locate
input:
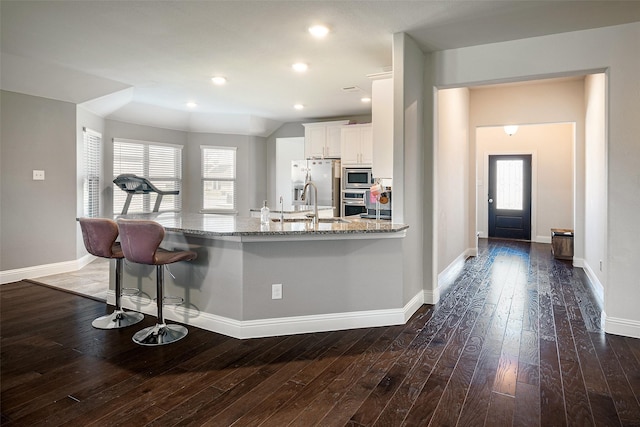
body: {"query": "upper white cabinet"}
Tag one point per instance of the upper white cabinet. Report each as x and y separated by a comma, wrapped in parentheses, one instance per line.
(382, 122)
(357, 145)
(322, 139)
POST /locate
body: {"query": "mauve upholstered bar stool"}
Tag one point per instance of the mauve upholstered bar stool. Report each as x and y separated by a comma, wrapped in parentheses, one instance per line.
(99, 235)
(141, 241)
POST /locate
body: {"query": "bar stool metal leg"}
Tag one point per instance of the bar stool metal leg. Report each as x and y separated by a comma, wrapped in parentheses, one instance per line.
(119, 318)
(160, 333)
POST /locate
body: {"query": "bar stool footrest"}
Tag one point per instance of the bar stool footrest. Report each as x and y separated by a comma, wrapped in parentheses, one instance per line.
(129, 292)
(171, 300)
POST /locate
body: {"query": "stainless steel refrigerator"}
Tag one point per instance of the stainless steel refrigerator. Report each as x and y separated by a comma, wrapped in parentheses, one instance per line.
(325, 174)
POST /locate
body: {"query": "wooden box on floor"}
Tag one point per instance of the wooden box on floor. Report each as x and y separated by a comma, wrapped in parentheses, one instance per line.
(562, 243)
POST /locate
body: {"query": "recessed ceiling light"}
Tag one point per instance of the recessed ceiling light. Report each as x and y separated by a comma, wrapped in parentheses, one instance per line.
(219, 80)
(298, 106)
(319, 31)
(192, 104)
(365, 99)
(300, 67)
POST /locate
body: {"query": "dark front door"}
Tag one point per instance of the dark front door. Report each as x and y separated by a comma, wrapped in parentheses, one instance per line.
(510, 196)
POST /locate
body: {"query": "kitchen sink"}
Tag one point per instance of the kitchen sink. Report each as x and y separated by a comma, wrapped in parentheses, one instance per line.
(336, 220)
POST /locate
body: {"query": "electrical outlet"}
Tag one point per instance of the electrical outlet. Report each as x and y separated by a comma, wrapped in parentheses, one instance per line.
(38, 175)
(276, 291)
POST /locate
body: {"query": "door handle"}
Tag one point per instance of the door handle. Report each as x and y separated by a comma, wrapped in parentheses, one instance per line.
(490, 200)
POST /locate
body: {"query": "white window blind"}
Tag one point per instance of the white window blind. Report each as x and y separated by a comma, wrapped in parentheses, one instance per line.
(218, 178)
(92, 162)
(159, 163)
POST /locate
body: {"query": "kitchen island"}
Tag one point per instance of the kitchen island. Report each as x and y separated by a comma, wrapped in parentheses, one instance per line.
(338, 274)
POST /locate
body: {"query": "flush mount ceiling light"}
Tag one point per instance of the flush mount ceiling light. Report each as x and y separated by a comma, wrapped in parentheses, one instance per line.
(300, 67)
(365, 99)
(510, 129)
(192, 104)
(298, 106)
(218, 80)
(319, 31)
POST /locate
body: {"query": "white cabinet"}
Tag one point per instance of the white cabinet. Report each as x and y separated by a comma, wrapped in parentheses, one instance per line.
(357, 145)
(382, 122)
(322, 139)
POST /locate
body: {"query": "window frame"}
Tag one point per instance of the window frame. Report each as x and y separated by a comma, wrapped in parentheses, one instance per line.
(92, 172)
(203, 179)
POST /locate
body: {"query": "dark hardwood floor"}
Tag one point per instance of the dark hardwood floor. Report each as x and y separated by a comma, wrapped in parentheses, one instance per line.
(515, 341)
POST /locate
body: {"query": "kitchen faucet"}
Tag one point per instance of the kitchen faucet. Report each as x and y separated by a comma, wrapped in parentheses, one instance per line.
(315, 200)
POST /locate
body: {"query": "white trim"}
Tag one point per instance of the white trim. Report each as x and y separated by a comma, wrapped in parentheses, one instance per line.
(413, 305)
(451, 271)
(276, 326)
(594, 283)
(543, 239)
(222, 147)
(9, 276)
(431, 297)
(618, 326)
(139, 141)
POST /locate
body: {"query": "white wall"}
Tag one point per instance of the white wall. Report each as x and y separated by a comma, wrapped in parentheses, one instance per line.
(452, 154)
(595, 178)
(551, 147)
(613, 49)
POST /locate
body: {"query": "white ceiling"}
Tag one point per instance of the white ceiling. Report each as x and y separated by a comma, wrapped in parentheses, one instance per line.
(142, 61)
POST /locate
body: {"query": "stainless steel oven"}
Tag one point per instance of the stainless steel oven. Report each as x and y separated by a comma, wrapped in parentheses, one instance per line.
(356, 178)
(353, 202)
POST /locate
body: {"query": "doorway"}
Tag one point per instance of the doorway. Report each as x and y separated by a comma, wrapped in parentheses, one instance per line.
(509, 198)
(287, 150)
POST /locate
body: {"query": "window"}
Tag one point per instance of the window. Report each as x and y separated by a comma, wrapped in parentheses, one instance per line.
(159, 163)
(218, 178)
(92, 160)
(510, 187)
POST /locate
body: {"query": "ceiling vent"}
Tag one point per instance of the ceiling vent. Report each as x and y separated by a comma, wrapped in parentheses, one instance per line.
(350, 89)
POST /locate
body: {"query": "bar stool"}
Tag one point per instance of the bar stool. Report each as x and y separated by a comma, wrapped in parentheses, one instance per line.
(99, 235)
(141, 241)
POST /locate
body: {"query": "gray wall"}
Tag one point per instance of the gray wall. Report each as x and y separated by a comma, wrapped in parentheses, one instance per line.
(251, 164)
(409, 171)
(37, 217)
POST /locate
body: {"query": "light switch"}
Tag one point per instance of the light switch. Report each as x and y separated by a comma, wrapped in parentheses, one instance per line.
(38, 175)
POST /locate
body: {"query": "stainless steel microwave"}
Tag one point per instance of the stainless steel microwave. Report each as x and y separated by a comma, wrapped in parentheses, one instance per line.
(356, 178)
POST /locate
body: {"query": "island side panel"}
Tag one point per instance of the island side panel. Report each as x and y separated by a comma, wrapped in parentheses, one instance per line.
(210, 284)
(322, 277)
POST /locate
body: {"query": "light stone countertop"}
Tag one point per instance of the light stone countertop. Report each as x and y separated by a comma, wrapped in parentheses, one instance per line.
(215, 225)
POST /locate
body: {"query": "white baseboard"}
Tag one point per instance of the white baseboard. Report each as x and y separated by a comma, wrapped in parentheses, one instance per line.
(594, 283)
(624, 327)
(243, 329)
(18, 274)
(543, 239)
(445, 278)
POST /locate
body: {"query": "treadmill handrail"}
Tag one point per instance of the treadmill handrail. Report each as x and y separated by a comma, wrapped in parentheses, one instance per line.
(134, 184)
